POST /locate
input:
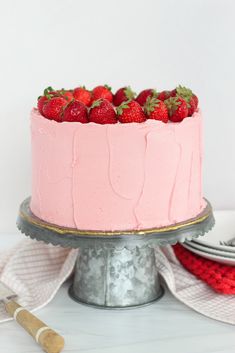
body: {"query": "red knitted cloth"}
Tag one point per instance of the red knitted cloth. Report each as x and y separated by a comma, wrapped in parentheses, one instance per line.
(218, 276)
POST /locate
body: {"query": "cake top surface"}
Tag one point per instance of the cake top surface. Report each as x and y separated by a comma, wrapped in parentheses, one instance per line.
(101, 106)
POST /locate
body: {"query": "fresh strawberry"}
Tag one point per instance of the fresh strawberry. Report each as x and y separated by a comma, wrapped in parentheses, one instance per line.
(173, 93)
(130, 112)
(122, 95)
(82, 95)
(52, 109)
(195, 98)
(142, 96)
(188, 96)
(177, 108)
(103, 92)
(156, 109)
(164, 95)
(41, 101)
(68, 95)
(75, 111)
(47, 94)
(102, 112)
(191, 105)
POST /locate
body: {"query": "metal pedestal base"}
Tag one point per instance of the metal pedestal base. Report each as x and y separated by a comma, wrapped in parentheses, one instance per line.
(110, 277)
(78, 300)
(114, 269)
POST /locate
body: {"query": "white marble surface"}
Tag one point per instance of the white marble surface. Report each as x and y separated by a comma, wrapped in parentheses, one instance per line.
(165, 326)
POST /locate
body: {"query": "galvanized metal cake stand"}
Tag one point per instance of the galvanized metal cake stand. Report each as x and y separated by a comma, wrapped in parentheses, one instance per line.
(114, 269)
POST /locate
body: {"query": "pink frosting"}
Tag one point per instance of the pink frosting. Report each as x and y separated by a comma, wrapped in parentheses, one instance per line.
(116, 177)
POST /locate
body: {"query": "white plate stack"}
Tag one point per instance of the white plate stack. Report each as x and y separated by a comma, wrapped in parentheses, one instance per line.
(212, 245)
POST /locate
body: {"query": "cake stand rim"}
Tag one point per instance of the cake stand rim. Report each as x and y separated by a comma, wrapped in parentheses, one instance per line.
(49, 233)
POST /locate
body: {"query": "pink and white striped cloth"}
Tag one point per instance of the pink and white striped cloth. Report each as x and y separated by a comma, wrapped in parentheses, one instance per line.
(35, 271)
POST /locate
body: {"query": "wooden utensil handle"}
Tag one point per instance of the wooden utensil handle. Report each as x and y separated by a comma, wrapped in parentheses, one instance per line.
(49, 340)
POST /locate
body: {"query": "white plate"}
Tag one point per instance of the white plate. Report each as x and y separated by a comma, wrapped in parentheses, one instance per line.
(212, 251)
(223, 230)
(220, 259)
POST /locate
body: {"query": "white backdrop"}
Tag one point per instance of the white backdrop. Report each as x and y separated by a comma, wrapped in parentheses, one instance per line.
(144, 43)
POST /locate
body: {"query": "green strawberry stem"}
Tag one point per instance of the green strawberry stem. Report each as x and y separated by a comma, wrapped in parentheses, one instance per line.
(123, 106)
(47, 92)
(151, 104)
(172, 104)
(184, 92)
(154, 93)
(108, 87)
(129, 93)
(96, 103)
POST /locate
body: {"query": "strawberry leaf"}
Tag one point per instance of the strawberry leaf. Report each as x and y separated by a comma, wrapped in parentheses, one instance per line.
(123, 106)
(151, 104)
(154, 93)
(48, 90)
(96, 103)
(108, 87)
(184, 92)
(129, 93)
(172, 104)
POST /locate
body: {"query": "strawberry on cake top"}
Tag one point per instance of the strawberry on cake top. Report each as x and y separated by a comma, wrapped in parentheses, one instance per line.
(116, 161)
(103, 107)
